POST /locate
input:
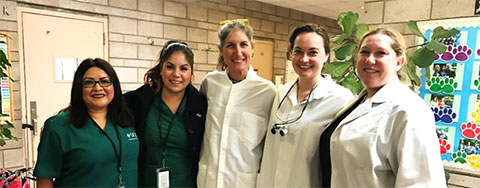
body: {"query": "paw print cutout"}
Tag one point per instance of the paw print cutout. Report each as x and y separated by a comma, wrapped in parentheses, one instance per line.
(449, 86)
(459, 157)
(476, 116)
(477, 84)
(447, 116)
(470, 130)
(474, 161)
(447, 55)
(459, 53)
(462, 53)
(444, 146)
(435, 84)
(436, 114)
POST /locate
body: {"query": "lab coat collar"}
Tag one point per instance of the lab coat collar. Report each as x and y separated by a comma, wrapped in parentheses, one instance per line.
(317, 93)
(385, 94)
(251, 73)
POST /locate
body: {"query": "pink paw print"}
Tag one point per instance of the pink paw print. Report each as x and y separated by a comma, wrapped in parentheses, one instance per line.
(444, 146)
(470, 130)
(459, 53)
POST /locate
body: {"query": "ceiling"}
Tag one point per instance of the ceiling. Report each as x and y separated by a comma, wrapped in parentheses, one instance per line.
(325, 8)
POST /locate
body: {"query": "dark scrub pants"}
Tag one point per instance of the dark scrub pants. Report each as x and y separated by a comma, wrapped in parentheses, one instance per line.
(84, 157)
(177, 149)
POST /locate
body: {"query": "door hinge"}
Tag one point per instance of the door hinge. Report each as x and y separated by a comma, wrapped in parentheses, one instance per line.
(104, 38)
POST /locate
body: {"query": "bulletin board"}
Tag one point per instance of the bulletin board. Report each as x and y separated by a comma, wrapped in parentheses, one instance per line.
(453, 92)
(6, 100)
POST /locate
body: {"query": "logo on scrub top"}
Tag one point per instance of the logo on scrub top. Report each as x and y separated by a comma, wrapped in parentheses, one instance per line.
(132, 136)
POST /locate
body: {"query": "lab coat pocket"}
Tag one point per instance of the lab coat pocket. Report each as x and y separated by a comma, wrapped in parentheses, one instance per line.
(252, 129)
(202, 173)
(246, 179)
(312, 136)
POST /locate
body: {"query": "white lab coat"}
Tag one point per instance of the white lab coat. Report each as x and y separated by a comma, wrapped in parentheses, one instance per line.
(389, 140)
(292, 160)
(235, 129)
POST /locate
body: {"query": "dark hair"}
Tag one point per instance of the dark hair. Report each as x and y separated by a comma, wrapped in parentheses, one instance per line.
(153, 74)
(307, 28)
(118, 111)
(228, 27)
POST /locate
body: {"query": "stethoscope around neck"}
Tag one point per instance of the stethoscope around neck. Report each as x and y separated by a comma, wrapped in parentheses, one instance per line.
(281, 127)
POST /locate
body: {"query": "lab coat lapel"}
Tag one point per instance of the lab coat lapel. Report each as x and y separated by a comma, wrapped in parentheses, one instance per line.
(361, 109)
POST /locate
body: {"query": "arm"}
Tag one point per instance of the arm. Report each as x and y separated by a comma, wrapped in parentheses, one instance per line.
(416, 150)
(45, 182)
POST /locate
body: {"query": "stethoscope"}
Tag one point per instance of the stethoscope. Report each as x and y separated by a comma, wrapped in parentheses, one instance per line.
(281, 127)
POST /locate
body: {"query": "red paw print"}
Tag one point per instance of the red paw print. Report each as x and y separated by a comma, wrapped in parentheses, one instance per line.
(470, 130)
(444, 146)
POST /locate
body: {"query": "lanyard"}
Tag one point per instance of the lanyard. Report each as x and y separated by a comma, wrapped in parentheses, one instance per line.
(117, 154)
(164, 141)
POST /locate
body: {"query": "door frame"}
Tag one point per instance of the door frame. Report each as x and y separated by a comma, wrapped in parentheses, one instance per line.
(25, 107)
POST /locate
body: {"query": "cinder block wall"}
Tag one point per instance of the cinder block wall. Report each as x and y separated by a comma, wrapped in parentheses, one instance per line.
(396, 13)
(139, 28)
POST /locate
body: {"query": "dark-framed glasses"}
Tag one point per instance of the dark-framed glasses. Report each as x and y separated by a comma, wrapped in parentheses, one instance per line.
(103, 82)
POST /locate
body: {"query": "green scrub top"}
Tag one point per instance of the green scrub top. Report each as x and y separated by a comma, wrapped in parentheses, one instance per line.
(84, 157)
(178, 159)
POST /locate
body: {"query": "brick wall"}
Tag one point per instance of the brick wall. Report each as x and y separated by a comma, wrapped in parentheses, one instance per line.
(139, 28)
(396, 13)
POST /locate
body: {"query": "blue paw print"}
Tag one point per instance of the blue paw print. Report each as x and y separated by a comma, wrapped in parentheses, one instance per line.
(436, 113)
(446, 115)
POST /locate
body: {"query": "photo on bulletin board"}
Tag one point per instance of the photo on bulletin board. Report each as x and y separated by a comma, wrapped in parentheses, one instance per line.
(6, 102)
(446, 136)
(445, 107)
(446, 77)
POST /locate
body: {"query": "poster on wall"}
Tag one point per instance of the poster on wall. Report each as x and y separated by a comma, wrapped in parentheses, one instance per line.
(6, 102)
(453, 93)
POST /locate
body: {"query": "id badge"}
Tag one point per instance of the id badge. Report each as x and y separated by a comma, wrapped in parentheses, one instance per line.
(163, 180)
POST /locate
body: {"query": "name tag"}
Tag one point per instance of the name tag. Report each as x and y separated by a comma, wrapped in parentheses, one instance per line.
(163, 180)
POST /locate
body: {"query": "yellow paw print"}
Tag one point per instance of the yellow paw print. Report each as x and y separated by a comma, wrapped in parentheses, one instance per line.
(474, 161)
(476, 116)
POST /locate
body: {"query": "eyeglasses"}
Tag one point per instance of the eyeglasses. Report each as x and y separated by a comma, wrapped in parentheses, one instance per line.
(103, 82)
(280, 127)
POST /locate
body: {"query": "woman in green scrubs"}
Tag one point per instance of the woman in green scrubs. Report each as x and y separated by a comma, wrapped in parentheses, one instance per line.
(170, 119)
(91, 143)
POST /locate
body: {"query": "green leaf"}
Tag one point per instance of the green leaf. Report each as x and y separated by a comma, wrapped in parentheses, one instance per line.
(413, 26)
(344, 50)
(2, 142)
(411, 72)
(347, 21)
(360, 30)
(351, 82)
(6, 132)
(440, 32)
(436, 46)
(423, 57)
(339, 38)
(337, 69)
(3, 57)
(427, 74)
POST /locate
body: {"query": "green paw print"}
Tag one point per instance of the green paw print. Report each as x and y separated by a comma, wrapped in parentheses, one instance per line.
(450, 85)
(459, 157)
(477, 84)
(435, 84)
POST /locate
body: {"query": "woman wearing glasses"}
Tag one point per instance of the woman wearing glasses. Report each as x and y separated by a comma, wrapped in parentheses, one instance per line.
(386, 137)
(170, 120)
(92, 142)
(302, 110)
(239, 104)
